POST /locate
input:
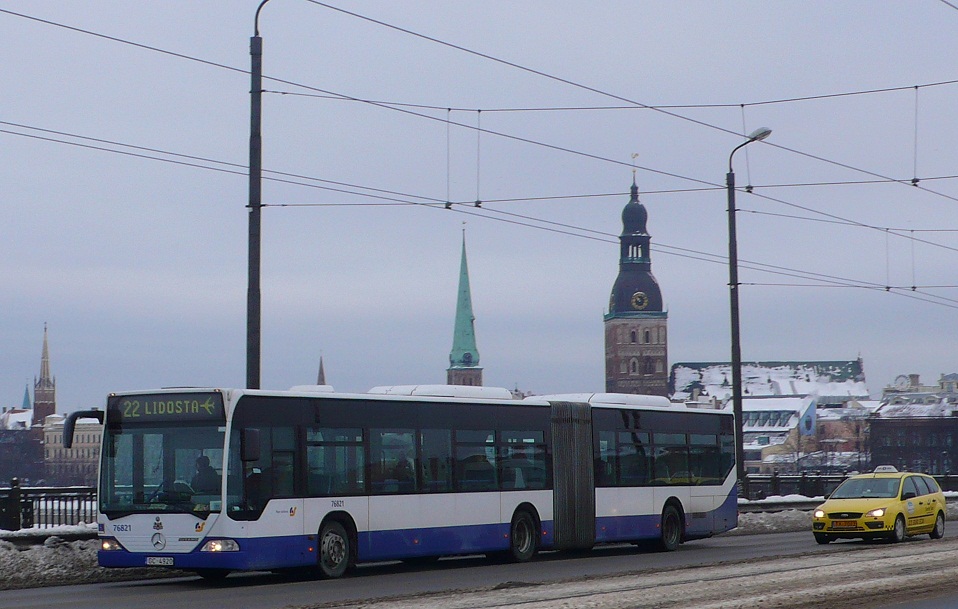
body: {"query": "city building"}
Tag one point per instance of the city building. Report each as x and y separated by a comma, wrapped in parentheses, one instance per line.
(916, 426)
(71, 466)
(464, 358)
(636, 326)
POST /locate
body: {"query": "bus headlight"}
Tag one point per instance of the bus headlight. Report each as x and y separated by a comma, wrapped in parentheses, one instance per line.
(220, 545)
(108, 544)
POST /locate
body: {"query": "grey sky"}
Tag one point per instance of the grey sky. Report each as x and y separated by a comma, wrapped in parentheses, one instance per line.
(139, 266)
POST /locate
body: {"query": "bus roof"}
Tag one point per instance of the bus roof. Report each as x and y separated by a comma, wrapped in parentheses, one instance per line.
(445, 391)
(610, 399)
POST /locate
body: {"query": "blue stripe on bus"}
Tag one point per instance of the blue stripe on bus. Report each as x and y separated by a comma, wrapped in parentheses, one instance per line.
(627, 528)
(255, 553)
(294, 550)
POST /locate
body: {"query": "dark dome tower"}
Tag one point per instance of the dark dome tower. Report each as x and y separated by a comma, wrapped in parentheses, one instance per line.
(636, 336)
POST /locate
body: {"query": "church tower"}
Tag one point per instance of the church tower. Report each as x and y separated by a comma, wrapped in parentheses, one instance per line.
(636, 337)
(44, 388)
(464, 358)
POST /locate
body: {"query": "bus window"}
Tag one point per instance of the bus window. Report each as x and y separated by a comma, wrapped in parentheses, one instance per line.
(436, 464)
(335, 461)
(605, 465)
(671, 459)
(392, 461)
(523, 460)
(705, 461)
(633, 458)
(476, 461)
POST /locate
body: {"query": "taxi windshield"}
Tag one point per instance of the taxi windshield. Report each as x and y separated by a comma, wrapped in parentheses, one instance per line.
(865, 488)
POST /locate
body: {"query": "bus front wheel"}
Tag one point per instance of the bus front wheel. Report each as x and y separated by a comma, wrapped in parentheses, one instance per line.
(334, 549)
(523, 538)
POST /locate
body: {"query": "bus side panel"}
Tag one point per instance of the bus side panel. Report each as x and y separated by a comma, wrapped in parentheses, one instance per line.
(270, 536)
(432, 525)
(624, 513)
(541, 500)
(317, 508)
(726, 513)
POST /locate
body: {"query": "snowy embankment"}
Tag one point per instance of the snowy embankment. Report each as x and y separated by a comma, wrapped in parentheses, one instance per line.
(59, 562)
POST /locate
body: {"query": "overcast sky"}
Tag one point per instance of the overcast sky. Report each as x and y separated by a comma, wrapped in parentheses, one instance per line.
(139, 266)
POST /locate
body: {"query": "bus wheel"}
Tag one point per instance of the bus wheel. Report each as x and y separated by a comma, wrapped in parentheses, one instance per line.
(671, 529)
(334, 550)
(524, 542)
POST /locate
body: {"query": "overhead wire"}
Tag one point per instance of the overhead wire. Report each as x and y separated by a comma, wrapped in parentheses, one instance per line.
(639, 104)
(617, 97)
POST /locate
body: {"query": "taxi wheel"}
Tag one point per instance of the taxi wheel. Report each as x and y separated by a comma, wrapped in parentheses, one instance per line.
(898, 533)
(822, 538)
(939, 531)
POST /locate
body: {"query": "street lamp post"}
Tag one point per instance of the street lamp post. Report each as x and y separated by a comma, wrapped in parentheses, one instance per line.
(255, 205)
(758, 134)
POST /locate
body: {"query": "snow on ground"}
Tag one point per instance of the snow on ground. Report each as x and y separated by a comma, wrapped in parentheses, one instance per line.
(60, 562)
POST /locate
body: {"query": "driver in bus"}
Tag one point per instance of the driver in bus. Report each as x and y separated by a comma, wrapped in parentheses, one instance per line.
(206, 480)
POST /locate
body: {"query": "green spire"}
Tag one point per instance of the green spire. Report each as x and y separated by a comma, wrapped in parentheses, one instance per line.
(464, 353)
(26, 397)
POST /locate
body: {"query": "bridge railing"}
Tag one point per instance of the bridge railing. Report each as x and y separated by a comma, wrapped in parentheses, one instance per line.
(45, 507)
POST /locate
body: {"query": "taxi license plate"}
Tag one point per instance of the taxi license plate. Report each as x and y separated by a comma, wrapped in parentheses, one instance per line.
(159, 561)
(844, 524)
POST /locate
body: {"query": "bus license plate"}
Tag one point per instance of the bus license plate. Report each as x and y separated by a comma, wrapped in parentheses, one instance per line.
(159, 561)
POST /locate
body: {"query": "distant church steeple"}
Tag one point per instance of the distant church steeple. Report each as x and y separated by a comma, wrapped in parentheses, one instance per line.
(636, 340)
(464, 358)
(321, 378)
(45, 387)
(26, 397)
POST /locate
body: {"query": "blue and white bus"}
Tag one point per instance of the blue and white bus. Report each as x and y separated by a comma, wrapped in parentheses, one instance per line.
(222, 480)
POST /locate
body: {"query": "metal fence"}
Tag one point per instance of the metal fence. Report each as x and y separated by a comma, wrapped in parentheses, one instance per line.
(45, 507)
(811, 485)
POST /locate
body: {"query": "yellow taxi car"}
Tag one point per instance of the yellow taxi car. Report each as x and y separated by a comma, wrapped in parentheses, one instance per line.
(883, 504)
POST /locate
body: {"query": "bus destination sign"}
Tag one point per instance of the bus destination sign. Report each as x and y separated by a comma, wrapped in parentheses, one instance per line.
(173, 407)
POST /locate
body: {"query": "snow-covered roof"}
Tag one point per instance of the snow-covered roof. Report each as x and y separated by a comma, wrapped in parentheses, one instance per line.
(833, 379)
(939, 408)
(16, 419)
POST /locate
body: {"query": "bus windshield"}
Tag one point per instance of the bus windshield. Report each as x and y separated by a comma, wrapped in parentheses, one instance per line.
(159, 462)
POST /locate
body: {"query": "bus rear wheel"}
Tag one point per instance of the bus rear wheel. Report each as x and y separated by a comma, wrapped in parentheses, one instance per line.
(334, 550)
(671, 535)
(523, 538)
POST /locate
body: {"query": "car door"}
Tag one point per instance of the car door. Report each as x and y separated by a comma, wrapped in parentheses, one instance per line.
(930, 499)
(917, 513)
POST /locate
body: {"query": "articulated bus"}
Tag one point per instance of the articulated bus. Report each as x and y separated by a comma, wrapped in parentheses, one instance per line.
(222, 480)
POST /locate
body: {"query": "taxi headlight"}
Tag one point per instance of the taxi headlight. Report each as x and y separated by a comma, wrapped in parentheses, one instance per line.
(877, 513)
(110, 545)
(220, 545)
(819, 513)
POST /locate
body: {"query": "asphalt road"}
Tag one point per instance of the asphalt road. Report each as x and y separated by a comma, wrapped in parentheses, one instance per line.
(268, 591)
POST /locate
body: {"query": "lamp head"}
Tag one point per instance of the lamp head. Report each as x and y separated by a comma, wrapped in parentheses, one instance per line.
(759, 134)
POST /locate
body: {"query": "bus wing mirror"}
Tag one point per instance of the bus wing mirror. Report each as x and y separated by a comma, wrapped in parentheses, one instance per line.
(71, 421)
(249, 444)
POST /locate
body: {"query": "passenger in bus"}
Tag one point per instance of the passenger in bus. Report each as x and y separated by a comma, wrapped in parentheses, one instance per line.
(206, 480)
(404, 473)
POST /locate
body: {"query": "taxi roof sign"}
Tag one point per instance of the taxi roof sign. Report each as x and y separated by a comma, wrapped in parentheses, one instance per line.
(886, 469)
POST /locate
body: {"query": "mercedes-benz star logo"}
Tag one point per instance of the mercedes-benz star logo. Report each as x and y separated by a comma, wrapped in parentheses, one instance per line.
(159, 542)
